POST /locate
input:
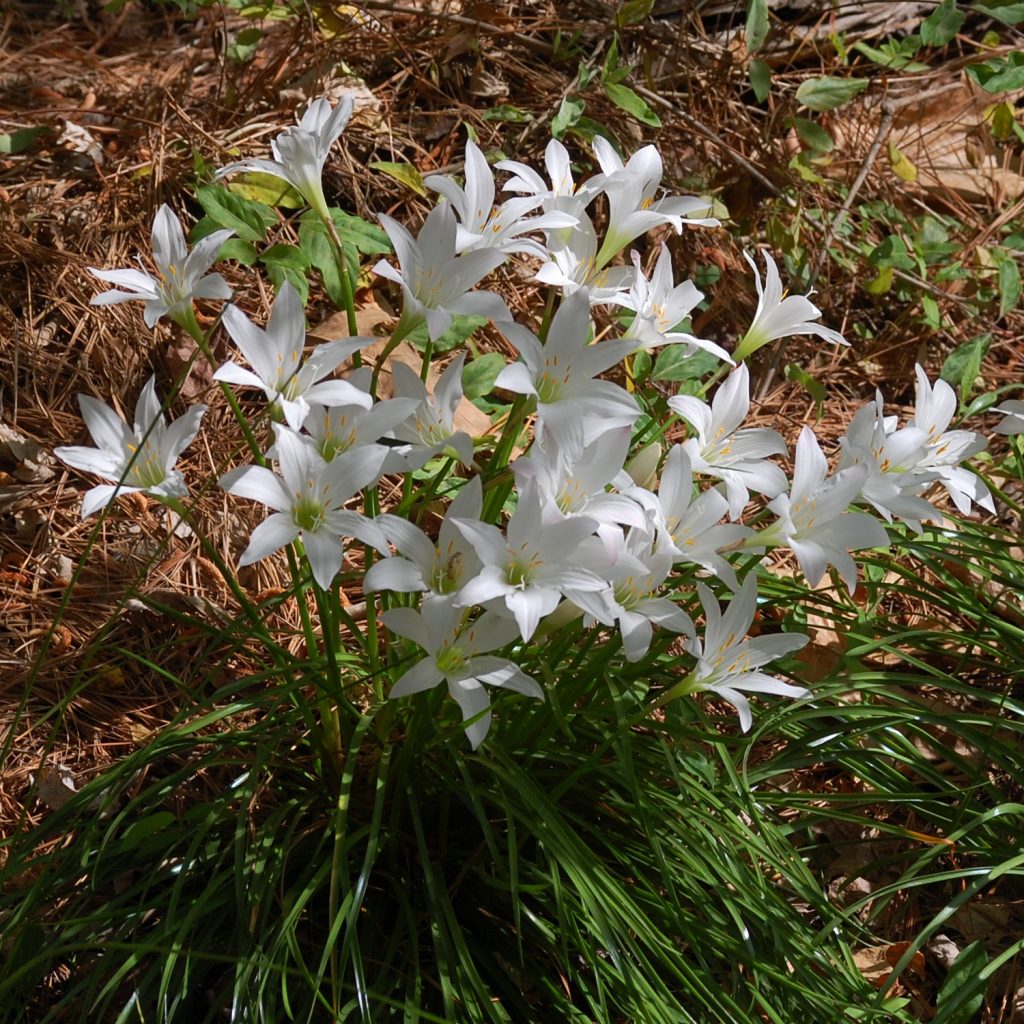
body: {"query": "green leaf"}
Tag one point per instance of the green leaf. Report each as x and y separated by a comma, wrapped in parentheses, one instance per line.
(942, 24)
(812, 135)
(963, 364)
(632, 12)
(674, 364)
(757, 24)
(568, 114)
(1009, 12)
(881, 282)
(403, 172)
(827, 93)
(892, 252)
(902, 166)
(760, 79)
(506, 112)
(232, 249)
(896, 54)
(999, 74)
(810, 384)
(285, 256)
(365, 237)
(963, 991)
(462, 327)
(932, 315)
(281, 272)
(20, 140)
(1002, 119)
(267, 189)
(1009, 285)
(248, 218)
(320, 253)
(478, 377)
(626, 99)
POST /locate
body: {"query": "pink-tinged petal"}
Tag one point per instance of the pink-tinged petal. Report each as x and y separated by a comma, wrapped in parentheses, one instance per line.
(398, 574)
(102, 495)
(424, 675)
(257, 483)
(277, 530)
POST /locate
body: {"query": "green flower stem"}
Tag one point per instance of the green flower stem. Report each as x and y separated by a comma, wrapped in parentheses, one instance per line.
(720, 371)
(549, 312)
(496, 495)
(371, 505)
(406, 323)
(428, 353)
(346, 283)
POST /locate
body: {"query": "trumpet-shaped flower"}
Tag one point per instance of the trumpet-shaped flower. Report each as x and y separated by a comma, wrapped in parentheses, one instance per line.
(439, 568)
(137, 458)
(531, 569)
(573, 267)
(778, 317)
(457, 655)
(722, 450)
(660, 305)
(728, 661)
(561, 374)
(180, 275)
(275, 355)
(308, 499)
(483, 227)
(632, 208)
(435, 281)
(301, 151)
(813, 521)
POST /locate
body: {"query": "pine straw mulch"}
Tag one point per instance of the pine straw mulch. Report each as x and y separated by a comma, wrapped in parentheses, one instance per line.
(134, 99)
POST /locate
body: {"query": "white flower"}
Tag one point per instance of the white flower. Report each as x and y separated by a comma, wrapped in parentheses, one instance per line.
(308, 499)
(483, 227)
(275, 355)
(573, 267)
(660, 305)
(430, 427)
(140, 457)
(1013, 418)
(721, 450)
(946, 449)
(454, 656)
(439, 568)
(435, 281)
(561, 373)
(530, 570)
(728, 660)
(813, 521)
(180, 275)
(301, 151)
(633, 210)
(778, 317)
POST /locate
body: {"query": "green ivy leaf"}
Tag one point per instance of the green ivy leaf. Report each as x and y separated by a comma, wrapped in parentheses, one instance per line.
(827, 92)
(626, 99)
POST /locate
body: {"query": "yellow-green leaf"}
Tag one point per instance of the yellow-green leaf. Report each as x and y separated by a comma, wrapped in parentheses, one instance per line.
(902, 167)
(403, 172)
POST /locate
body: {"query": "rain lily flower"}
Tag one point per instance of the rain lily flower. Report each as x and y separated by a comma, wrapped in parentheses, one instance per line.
(430, 427)
(778, 317)
(301, 151)
(813, 521)
(480, 225)
(275, 355)
(946, 449)
(561, 374)
(457, 655)
(180, 275)
(573, 267)
(308, 499)
(728, 661)
(137, 458)
(439, 568)
(531, 569)
(1013, 418)
(632, 208)
(435, 281)
(722, 450)
(660, 305)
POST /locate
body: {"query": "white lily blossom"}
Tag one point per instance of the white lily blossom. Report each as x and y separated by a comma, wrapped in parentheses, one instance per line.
(660, 305)
(632, 208)
(813, 518)
(435, 281)
(140, 457)
(457, 655)
(308, 499)
(275, 355)
(780, 317)
(729, 661)
(529, 568)
(1013, 418)
(180, 275)
(561, 375)
(737, 457)
(301, 151)
(481, 226)
(945, 449)
(422, 565)
(573, 268)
